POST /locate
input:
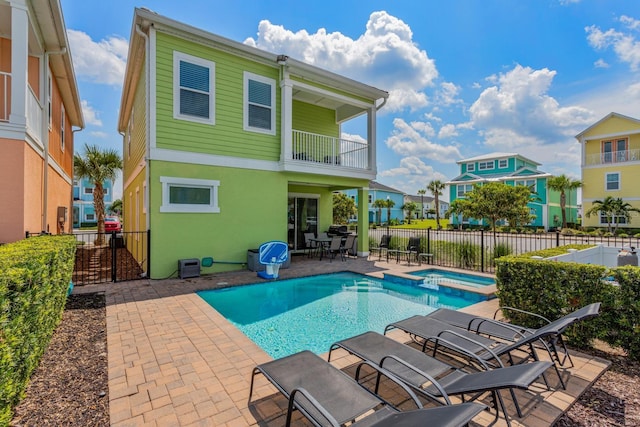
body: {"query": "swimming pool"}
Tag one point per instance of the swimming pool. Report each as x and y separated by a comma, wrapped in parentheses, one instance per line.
(311, 313)
(434, 276)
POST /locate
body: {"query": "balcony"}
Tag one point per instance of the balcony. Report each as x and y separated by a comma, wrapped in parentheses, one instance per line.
(622, 156)
(312, 148)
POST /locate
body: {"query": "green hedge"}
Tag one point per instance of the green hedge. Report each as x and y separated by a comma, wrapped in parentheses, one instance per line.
(553, 289)
(34, 278)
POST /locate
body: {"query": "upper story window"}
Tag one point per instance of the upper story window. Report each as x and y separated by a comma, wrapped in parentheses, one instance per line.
(471, 167)
(62, 127)
(503, 163)
(193, 88)
(189, 195)
(531, 183)
(612, 181)
(88, 190)
(370, 198)
(259, 103)
(614, 151)
(464, 189)
(486, 165)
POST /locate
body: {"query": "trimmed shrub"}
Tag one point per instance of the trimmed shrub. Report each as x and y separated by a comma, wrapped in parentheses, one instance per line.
(35, 275)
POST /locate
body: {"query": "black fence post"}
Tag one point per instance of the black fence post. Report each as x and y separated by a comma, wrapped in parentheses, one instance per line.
(557, 238)
(114, 257)
(482, 250)
(429, 240)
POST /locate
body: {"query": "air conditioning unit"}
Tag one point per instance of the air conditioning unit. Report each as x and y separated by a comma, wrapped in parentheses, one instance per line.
(188, 268)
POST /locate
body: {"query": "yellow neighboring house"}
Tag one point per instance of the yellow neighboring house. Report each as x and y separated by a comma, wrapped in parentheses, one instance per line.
(611, 166)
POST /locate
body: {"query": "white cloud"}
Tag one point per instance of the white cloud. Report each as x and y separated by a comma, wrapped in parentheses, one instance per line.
(90, 115)
(99, 62)
(99, 134)
(385, 56)
(448, 131)
(625, 45)
(601, 63)
(412, 175)
(411, 140)
(448, 94)
(519, 105)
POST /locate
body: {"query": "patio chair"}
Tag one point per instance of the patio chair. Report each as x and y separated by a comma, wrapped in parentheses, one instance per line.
(511, 332)
(385, 240)
(348, 245)
(310, 244)
(335, 248)
(415, 369)
(326, 396)
(441, 334)
(413, 247)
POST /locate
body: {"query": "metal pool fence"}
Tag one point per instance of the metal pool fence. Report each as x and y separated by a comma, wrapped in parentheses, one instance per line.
(476, 250)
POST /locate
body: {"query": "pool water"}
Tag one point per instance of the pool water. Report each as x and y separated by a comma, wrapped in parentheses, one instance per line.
(311, 313)
(434, 276)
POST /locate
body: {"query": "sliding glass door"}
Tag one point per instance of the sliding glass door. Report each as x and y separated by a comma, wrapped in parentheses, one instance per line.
(302, 218)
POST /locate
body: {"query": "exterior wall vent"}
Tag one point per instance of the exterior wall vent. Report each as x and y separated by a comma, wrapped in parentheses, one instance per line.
(188, 268)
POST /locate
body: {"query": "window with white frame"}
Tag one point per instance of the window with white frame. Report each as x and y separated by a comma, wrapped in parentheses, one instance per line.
(531, 183)
(612, 181)
(464, 189)
(88, 190)
(503, 163)
(89, 217)
(105, 191)
(62, 127)
(259, 103)
(370, 198)
(471, 167)
(193, 88)
(189, 195)
(607, 219)
(486, 165)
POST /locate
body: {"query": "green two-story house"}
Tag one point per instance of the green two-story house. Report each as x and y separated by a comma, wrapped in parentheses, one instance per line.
(513, 169)
(227, 146)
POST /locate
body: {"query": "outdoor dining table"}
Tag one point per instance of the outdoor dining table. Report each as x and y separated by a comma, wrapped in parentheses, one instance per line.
(322, 243)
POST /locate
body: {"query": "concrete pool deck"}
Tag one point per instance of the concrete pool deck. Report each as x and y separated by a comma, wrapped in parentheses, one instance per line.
(174, 361)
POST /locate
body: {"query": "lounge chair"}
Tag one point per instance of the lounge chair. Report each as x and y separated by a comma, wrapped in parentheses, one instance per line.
(509, 331)
(431, 330)
(328, 397)
(335, 248)
(415, 368)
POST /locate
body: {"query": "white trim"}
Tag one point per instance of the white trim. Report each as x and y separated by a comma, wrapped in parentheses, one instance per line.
(606, 174)
(626, 199)
(304, 195)
(535, 183)
(471, 167)
(212, 160)
(506, 163)
(211, 66)
(245, 101)
(212, 185)
(486, 164)
(328, 94)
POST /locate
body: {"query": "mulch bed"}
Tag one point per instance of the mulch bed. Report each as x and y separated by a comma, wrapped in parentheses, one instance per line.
(70, 387)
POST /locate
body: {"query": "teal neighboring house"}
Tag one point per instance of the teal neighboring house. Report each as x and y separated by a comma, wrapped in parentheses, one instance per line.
(379, 191)
(512, 169)
(227, 146)
(84, 213)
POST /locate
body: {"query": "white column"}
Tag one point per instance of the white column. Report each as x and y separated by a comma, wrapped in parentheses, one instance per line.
(371, 138)
(19, 60)
(363, 222)
(286, 123)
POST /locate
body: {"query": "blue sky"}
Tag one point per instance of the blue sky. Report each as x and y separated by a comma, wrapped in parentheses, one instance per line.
(465, 77)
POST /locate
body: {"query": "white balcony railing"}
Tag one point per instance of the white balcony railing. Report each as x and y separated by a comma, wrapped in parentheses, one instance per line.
(312, 147)
(613, 157)
(5, 103)
(34, 115)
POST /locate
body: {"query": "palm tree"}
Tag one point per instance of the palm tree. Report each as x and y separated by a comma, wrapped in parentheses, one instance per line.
(379, 204)
(561, 183)
(389, 204)
(421, 192)
(116, 207)
(409, 207)
(613, 209)
(436, 186)
(98, 165)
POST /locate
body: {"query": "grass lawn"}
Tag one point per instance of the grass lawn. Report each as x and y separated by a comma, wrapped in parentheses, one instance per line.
(423, 223)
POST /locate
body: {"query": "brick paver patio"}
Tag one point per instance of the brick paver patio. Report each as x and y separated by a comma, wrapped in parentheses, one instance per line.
(175, 361)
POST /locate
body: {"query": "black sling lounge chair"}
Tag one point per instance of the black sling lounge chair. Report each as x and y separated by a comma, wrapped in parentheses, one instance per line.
(328, 397)
(509, 331)
(443, 334)
(415, 369)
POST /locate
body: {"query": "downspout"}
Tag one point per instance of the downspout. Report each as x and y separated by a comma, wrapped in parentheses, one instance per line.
(147, 107)
(45, 135)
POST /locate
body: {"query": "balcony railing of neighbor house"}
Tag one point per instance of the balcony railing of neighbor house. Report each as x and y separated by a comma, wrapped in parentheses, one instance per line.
(312, 147)
(34, 115)
(614, 157)
(5, 85)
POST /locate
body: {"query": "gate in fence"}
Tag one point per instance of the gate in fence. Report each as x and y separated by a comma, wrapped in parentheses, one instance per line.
(111, 257)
